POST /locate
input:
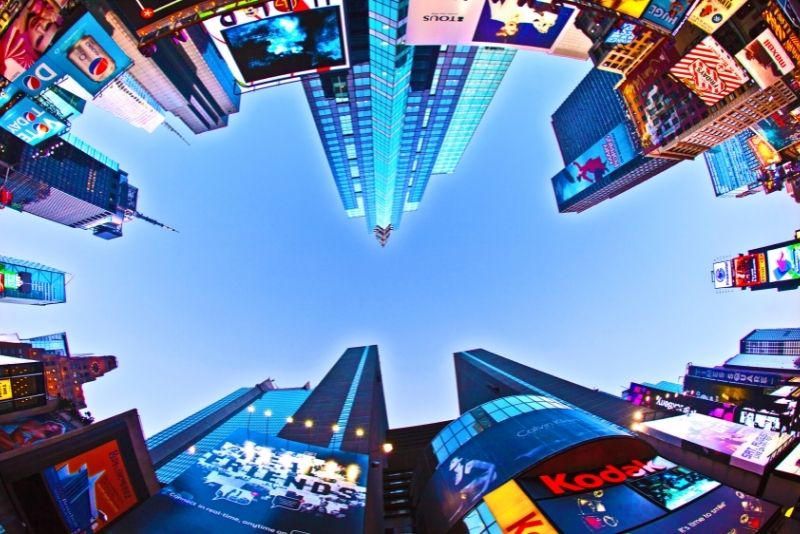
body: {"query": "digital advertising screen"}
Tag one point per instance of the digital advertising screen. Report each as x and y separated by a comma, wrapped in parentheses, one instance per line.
(92, 489)
(634, 8)
(750, 270)
(608, 154)
(721, 510)
(783, 29)
(765, 59)
(505, 23)
(30, 122)
(763, 151)
(709, 15)
(609, 510)
(514, 511)
(682, 404)
(748, 448)
(265, 45)
(783, 264)
(29, 36)
(158, 18)
(791, 464)
(666, 13)
(248, 484)
(723, 274)
(625, 34)
(781, 129)
(710, 71)
(672, 488)
(29, 430)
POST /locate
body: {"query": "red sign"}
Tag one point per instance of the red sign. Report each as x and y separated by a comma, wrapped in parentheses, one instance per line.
(709, 71)
(750, 270)
(560, 484)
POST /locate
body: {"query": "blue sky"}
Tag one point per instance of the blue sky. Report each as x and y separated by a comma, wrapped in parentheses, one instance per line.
(269, 278)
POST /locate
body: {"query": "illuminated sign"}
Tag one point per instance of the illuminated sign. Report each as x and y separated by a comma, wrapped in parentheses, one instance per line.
(783, 263)
(791, 464)
(651, 397)
(783, 30)
(710, 71)
(764, 152)
(5, 389)
(765, 59)
(666, 13)
(30, 122)
(675, 487)
(781, 129)
(750, 270)
(709, 15)
(722, 274)
(263, 46)
(158, 18)
(522, 25)
(608, 154)
(27, 39)
(623, 35)
(634, 8)
(30, 430)
(514, 511)
(734, 376)
(611, 474)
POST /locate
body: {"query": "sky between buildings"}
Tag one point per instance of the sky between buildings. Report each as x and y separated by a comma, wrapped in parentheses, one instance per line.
(269, 278)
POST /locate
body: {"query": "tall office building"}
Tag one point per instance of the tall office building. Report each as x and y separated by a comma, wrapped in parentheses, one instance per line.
(733, 165)
(602, 154)
(128, 100)
(400, 114)
(27, 282)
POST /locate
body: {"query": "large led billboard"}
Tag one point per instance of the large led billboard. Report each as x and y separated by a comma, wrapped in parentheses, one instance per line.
(765, 59)
(748, 448)
(29, 430)
(608, 154)
(783, 263)
(710, 71)
(783, 29)
(248, 483)
(781, 129)
(30, 122)
(266, 45)
(651, 397)
(666, 13)
(708, 15)
(750, 269)
(506, 23)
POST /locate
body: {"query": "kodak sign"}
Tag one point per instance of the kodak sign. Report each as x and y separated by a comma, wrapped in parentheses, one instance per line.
(575, 483)
(514, 511)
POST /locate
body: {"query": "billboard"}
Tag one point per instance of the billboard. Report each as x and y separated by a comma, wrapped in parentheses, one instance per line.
(722, 510)
(735, 376)
(765, 59)
(783, 263)
(673, 488)
(783, 30)
(91, 489)
(722, 274)
(710, 71)
(30, 122)
(708, 15)
(30, 430)
(21, 384)
(608, 154)
(750, 270)
(506, 23)
(791, 464)
(747, 447)
(666, 13)
(634, 8)
(266, 45)
(259, 485)
(763, 151)
(781, 129)
(29, 36)
(625, 34)
(514, 511)
(651, 397)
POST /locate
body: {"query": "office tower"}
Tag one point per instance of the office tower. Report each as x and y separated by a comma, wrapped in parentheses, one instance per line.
(400, 114)
(26, 282)
(64, 373)
(733, 166)
(184, 74)
(21, 384)
(778, 341)
(128, 100)
(599, 145)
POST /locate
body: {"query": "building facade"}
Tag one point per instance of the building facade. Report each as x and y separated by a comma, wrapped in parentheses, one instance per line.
(27, 282)
(733, 166)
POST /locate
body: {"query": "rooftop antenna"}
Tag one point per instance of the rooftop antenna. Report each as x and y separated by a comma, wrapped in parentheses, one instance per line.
(153, 221)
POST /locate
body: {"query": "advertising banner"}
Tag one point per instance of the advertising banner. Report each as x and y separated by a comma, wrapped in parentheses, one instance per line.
(30, 430)
(722, 510)
(253, 486)
(666, 13)
(733, 376)
(683, 404)
(28, 37)
(30, 122)
(723, 274)
(781, 129)
(765, 59)
(673, 488)
(160, 18)
(709, 15)
(748, 448)
(92, 489)
(608, 154)
(514, 511)
(791, 464)
(710, 71)
(507, 23)
(271, 43)
(783, 264)
(764, 152)
(783, 30)
(634, 8)
(750, 270)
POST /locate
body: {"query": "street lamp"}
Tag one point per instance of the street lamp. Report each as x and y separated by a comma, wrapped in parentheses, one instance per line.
(359, 432)
(334, 428)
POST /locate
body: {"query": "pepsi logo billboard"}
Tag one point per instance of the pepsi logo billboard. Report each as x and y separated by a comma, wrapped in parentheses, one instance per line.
(30, 122)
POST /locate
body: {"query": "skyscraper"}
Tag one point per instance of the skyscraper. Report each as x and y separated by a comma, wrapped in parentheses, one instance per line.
(26, 282)
(733, 165)
(400, 114)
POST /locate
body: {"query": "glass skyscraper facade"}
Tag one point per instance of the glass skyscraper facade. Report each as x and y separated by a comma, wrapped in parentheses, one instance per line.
(733, 165)
(389, 123)
(27, 282)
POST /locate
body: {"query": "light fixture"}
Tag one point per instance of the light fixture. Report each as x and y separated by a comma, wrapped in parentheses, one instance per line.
(388, 447)
(335, 428)
(360, 432)
(308, 423)
(290, 419)
(251, 409)
(267, 413)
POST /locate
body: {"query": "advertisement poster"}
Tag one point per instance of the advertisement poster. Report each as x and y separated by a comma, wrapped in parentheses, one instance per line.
(666, 13)
(512, 509)
(92, 489)
(750, 270)
(270, 43)
(673, 488)
(791, 464)
(506, 23)
(634, 8)
(29, 36)
(722, 274)
(259, 486)
(749, 448)
(710, 71)
(614, 509)
(764, 152)
(781, 129)
(709, 15)
(722, 510)
(30, 430)
(30, 122)
(682, 404)
(783, 29)
(610, 153)
(783, 263)
(765, 59)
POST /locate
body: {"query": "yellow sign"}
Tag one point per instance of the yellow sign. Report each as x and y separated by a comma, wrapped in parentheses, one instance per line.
(634, 8)
(514, 511)
(5, 389)
(709, 15)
